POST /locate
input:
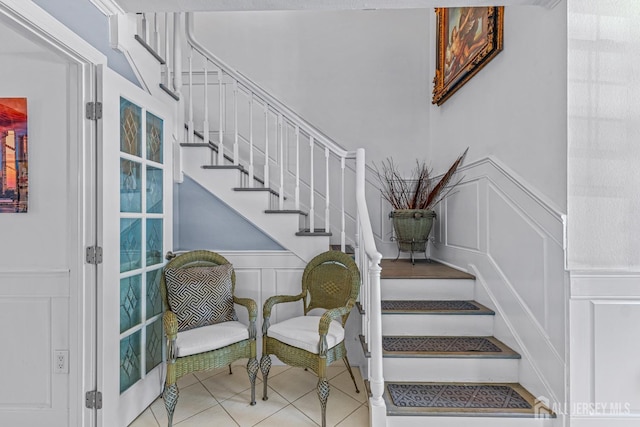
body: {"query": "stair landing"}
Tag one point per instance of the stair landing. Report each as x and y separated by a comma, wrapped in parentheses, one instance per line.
(422, 269)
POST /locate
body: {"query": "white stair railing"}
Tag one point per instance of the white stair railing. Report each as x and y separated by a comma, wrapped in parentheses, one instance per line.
(282, 151)
(269, 146)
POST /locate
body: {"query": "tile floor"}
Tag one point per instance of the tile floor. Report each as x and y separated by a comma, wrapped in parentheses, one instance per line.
(215, 398)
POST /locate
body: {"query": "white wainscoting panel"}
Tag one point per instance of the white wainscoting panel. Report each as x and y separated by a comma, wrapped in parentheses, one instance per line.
(605, 342)
(28, 360)
(616, 338)
(34, 309)
(518, 249)
(461, 208)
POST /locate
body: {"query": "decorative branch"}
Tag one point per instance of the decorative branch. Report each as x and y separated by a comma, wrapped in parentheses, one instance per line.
(418, 191)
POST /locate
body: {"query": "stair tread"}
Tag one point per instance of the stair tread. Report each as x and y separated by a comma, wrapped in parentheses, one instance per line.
(258, 189)
(422, 269)
(315, 232)
(286, 211)
(464, 307)
(462, 399)
(239, 167)
(446, 346)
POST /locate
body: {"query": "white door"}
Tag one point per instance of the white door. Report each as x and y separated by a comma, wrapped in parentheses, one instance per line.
(135, 231)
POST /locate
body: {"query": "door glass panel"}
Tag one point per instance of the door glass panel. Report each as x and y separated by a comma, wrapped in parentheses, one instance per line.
(154, 241)
(130, 302)
(154, 297)
(130, 194)
(154, 138)
(130, 128)
(141, 242)
(130, 244)
(130, 360)
(154, 345)
(154, 190)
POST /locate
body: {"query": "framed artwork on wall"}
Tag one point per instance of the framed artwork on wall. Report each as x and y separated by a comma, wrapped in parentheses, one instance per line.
(467, 39)
(14, 171)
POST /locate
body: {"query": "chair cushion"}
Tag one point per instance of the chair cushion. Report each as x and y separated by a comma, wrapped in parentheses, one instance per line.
(210, 337)
(200, 296)
(302, 332)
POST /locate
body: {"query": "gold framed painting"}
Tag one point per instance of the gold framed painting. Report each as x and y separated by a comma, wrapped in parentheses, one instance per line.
(468, 38)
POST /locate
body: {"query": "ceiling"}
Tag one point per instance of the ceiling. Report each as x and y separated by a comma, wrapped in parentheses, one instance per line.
(246, 5)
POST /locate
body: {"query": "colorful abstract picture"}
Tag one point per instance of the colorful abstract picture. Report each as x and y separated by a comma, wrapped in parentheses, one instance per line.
(14, 171)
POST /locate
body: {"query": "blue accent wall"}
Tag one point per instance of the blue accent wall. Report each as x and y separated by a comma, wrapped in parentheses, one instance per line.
(84, 19)
(203, 221)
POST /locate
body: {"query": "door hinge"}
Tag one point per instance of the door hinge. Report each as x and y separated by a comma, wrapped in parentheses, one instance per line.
(94, 110)
(93, 255)
(93, 400)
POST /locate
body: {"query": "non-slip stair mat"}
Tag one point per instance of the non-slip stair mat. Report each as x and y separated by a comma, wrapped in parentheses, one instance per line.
(439, 344)
(407, 305)
(456, 396)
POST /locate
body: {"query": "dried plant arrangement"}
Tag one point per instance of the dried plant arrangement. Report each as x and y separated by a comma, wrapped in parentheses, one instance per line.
(419, 190)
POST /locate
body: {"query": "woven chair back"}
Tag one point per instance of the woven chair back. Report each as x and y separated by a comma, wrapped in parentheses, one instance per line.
(329, 281)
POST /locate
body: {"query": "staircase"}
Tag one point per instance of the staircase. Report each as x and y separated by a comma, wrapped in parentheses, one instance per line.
(442, 364)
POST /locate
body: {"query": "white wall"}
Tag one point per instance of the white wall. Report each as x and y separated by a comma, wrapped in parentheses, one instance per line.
(514, 108)
(603, 133)
(36, 255)
(362, 77)
(603, 123)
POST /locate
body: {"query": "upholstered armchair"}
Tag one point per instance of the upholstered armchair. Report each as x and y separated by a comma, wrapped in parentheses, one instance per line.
(330, 286)
(201, 326)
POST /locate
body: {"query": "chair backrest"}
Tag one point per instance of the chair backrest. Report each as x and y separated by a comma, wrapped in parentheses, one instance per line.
(329, 281)
(199, 258)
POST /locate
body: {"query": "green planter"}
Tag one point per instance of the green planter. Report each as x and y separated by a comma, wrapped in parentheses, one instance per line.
(412, 228)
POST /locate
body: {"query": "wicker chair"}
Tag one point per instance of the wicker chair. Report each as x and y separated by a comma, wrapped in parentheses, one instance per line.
(330, 281)
(231, 340)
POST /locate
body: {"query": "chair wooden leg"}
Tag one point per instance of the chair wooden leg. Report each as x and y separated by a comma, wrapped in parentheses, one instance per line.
(265, 366)
(170, 396)
(323, 395)
(252, 370)
(346, 362)
(230, 371)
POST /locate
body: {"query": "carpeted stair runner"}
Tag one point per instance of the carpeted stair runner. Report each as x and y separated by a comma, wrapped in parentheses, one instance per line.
(433, 307)
(500, 399)
(394, 346)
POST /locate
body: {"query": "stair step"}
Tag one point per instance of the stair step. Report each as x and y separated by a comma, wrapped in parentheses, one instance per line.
(436, 318)
(434, 307)
(239, 167)
(452, 358)
(257, 189)
(446, 346)
(422, 269)
(170, 92)
(446, 399)
(150, 49)
(427, 288)
(315, 232)
(286, 211)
